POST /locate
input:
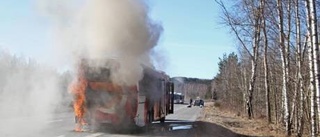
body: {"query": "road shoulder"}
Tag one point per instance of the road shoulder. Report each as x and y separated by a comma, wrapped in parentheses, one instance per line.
(237, 124)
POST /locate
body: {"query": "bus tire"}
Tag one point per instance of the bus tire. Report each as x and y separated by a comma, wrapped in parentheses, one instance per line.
(162, 120)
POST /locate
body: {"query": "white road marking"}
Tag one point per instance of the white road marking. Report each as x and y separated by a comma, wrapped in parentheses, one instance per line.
(95, 135)
(61, 136)
(56, 120)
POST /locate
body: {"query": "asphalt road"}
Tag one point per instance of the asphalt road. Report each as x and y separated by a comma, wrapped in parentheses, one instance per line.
(62, 125)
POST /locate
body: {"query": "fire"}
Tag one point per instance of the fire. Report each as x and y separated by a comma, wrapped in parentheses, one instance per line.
(78, 88)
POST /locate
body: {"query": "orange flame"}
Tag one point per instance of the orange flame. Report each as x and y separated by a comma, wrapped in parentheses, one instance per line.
(78, 88)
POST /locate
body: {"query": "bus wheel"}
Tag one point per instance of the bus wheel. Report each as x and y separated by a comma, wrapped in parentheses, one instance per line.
(162, 119)
(149, 121)
(150, 116)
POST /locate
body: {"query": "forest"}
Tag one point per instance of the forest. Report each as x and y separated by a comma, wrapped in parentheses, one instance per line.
(193, 87)
(275, 74)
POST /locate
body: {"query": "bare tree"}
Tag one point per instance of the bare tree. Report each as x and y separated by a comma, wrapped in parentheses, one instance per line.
(289, 78)
(313, 62)
(254, 17)
(266, 67)
(284, 58)
(300, 119)
(315, 47)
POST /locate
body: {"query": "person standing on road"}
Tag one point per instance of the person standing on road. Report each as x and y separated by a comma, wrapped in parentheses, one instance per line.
(190, 101)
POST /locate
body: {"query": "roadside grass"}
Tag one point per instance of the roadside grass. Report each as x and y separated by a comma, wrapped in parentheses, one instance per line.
(214, 113)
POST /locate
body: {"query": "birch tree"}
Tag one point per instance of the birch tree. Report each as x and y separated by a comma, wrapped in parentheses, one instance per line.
(289, 78)
(313, 62)
(315, 48)
(253, 16)
(266, 67)
(300, 118)
(284, 57)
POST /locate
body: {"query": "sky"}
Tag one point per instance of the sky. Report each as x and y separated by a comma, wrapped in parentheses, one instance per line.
(191, 44)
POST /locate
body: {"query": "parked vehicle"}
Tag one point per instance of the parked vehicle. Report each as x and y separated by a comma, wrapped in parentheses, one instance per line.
(199, 102)
(178, 98)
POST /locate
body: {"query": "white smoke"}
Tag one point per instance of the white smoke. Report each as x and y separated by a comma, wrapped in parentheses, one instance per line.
(105, 29)
(29, 93)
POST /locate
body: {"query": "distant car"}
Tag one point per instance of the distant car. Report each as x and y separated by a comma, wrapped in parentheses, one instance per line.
(178, 98)
(199, 102)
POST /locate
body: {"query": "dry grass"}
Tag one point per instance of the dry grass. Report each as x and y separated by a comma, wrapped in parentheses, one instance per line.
(257, 127)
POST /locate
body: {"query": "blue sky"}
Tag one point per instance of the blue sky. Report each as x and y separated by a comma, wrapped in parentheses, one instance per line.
(191, 43)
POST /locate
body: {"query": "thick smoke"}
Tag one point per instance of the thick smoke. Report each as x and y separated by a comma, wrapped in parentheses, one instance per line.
(29, 93)
(106, 29)
(94, 29)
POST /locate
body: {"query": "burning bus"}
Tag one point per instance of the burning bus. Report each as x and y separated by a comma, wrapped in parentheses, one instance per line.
(98, 100)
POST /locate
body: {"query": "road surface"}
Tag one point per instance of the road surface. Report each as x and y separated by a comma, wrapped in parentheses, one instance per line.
(61, 125)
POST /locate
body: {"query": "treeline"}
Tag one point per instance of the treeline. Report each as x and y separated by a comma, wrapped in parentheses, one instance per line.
(193, 87)
(276, 73)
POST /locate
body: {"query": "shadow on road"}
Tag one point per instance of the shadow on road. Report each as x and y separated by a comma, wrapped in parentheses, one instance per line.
(176, 128)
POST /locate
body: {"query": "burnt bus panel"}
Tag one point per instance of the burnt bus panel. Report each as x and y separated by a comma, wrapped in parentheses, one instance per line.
(96, 97)
(98, 74)
(149, 84)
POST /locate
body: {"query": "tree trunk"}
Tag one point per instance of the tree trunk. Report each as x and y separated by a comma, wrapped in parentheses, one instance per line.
(283, 49)
(313, 64)
(251, 88)
(300, 121)
(266, 67)
(288, 70)
(254, 62)
(315, 46)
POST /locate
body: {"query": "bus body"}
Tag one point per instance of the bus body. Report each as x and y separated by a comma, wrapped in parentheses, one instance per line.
(151, 99)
